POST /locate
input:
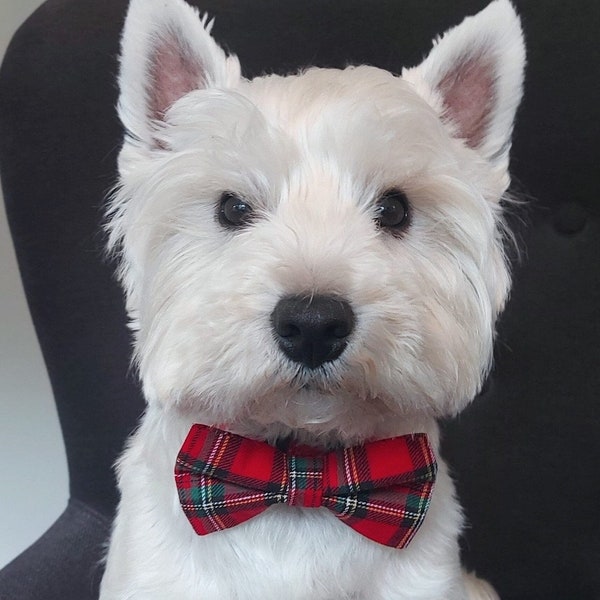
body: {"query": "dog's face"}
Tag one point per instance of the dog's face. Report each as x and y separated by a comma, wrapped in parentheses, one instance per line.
(317, 252)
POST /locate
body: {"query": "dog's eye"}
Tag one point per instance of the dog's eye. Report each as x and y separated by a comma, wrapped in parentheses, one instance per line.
(233, 211)
(392, 210)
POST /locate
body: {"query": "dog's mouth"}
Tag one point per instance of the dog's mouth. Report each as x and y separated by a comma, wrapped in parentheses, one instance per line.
(316, 387)
(325, 380)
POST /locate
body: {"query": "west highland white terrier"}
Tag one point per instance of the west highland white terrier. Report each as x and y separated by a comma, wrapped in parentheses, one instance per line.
(313, 265)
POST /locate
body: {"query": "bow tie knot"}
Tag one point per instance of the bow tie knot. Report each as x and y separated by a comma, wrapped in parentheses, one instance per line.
(305, 483)
(381, 489)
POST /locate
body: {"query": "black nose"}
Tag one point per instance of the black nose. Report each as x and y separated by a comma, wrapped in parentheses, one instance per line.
(312, 330)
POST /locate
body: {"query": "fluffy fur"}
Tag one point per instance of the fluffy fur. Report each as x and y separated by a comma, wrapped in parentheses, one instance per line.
(311, 153)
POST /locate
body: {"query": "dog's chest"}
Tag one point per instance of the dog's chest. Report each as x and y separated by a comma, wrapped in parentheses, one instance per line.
(295, 554)
(284, 552)
(290, 553)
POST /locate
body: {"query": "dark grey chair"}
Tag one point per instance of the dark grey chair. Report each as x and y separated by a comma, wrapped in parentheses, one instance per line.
(525, 454)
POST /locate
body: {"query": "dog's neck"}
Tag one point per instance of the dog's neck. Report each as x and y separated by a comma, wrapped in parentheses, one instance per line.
(317, 435)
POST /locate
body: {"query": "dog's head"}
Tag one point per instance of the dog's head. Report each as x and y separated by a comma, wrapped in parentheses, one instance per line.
(321, 251)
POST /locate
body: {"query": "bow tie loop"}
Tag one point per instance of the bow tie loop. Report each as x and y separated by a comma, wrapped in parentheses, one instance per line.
(381, 489)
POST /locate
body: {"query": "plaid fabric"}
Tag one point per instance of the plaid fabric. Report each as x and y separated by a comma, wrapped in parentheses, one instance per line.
(381, 489)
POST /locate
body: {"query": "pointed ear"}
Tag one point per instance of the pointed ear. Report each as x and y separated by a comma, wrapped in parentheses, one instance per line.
(474, 78)
(166, 52)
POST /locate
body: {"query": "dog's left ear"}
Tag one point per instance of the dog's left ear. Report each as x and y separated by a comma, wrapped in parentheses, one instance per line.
(474, 78)
(166, 52)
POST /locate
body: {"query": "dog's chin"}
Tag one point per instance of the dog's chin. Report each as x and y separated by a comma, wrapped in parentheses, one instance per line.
(320, 409)
(315, 416)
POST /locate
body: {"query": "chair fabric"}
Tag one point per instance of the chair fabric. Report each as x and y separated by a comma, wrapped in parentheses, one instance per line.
(525, 454)
(65, 563)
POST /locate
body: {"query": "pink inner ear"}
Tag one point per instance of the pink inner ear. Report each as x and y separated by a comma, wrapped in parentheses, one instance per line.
(469, 97)
(173, 73)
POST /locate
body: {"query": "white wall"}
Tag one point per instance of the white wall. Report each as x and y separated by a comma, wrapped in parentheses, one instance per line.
(33, 470)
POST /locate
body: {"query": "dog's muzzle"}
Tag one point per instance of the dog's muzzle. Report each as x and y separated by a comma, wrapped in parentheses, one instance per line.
(312, 330)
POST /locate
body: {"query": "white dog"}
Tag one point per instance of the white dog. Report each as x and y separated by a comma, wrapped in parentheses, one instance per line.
(315, 259)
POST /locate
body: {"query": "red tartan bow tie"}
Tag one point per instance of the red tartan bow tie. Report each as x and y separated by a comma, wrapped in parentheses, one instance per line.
(381, 489)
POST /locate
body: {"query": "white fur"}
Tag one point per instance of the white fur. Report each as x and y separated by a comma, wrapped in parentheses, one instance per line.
(310, 153)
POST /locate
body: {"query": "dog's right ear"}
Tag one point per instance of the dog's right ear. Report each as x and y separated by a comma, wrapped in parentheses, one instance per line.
(473, 76)
(166, 52)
